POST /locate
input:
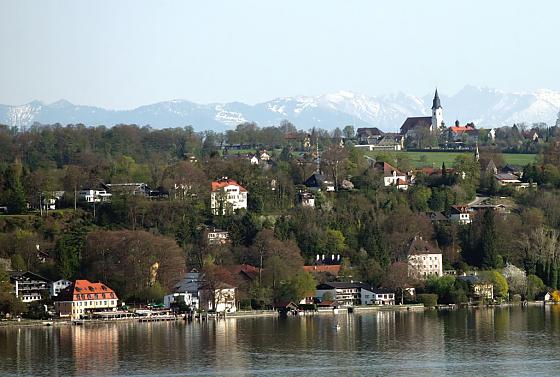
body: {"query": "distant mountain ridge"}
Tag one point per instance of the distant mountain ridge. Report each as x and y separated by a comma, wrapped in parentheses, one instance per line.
(485, 107)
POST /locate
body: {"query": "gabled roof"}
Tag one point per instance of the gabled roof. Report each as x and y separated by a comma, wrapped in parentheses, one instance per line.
(220, 184)
(506, 177)
(27, 275)
(422, 246)
(343, 285)
(414, 122)
(386, 169)
(460, 208)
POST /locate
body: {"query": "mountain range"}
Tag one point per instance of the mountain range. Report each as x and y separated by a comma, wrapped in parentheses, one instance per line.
(485, 107)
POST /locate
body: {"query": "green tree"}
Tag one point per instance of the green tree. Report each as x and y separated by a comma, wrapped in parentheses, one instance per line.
(68, 251)
(535, 287)
(489, 242)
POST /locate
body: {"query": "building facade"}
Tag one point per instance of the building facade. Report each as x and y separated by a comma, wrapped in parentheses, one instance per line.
(29, 287)
(424, 259)
(83, 298)
(227, 196)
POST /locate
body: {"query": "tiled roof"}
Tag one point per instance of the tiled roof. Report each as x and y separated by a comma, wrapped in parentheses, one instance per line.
(82, 290)
(386, 169)
(216, 185)
(330, 268)
(421, 246)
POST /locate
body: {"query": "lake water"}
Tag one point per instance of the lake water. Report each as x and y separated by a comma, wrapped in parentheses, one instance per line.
(473, 342)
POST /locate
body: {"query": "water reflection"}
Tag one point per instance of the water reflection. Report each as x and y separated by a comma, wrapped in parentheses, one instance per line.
(520, 341)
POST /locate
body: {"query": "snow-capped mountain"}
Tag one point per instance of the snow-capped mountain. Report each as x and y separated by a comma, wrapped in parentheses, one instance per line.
(485, 107)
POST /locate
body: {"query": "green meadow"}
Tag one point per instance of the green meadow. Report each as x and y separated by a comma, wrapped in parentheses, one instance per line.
(435, 159)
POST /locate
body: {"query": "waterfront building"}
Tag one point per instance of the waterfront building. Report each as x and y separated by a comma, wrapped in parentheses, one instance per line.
(29, 287)
(351, 294)
(83, 298)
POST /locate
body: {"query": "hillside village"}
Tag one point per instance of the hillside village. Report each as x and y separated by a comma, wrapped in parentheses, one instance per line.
(97, 220)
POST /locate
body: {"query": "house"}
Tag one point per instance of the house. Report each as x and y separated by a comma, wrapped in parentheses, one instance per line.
(219, 297)
(460, 214)
(318, 182)
(133, 188)
(346, 293)
(468, 133)
(368, 135)
(215, 236)
(264, 156)
(306, 199)
(478, 289)
(227, 196)
(381, 296)
(175, 298)
(424, 259)
(436, 217)
(84, 298)
(513, 169)
(94, 196)
(391, 175)
(187, 288)
(50, 200)
(507, 179)
(58, 286)
(386, 142)
(29, 287)
(253, 159)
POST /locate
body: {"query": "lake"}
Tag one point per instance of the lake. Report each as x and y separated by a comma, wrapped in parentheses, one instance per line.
(473, 342)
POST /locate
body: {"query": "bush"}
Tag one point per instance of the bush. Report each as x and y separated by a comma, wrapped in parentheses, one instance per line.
(428, 299)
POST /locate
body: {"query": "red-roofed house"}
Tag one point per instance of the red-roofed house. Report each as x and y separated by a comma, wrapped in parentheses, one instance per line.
(227, 196)
(83, 298)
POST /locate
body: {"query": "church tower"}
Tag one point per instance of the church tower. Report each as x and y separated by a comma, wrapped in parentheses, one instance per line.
(437, 113)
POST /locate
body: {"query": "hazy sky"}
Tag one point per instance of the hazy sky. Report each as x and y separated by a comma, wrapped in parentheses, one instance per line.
(129, 53)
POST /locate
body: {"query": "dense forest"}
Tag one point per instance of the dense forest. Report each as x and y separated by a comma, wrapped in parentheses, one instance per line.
(141, 245)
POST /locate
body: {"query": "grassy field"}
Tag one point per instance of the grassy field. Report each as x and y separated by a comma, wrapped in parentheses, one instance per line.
(420, 159)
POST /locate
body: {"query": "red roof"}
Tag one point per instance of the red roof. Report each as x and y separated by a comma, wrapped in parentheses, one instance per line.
(460, 129)
(85, 290)
(401, 182)
(216, 185)
(330, 268)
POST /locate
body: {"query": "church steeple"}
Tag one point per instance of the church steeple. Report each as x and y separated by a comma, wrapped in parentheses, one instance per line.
(437, 113)
(436, 102)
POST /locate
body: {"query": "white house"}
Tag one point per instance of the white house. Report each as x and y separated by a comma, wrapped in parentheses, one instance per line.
(227, 196)
(460, 214)
(59, 285)
(391, 175)
(378, 296)
(219, 298)
(185, 297)
(95, 196)
(424, 259)
(350, 294)
(217, 236)
(306, 199)
(29, 287)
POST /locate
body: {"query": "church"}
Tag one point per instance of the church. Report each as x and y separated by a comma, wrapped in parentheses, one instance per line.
(412, 124)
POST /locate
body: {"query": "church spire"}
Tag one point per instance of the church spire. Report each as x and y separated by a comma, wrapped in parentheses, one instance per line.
(436, 103)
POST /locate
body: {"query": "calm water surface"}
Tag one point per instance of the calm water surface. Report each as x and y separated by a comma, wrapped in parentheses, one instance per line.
(482, 342)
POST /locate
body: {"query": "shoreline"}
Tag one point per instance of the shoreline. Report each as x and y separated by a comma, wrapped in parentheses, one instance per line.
(263, 314)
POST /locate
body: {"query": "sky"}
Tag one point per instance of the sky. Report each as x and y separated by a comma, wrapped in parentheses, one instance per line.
(123, 54)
